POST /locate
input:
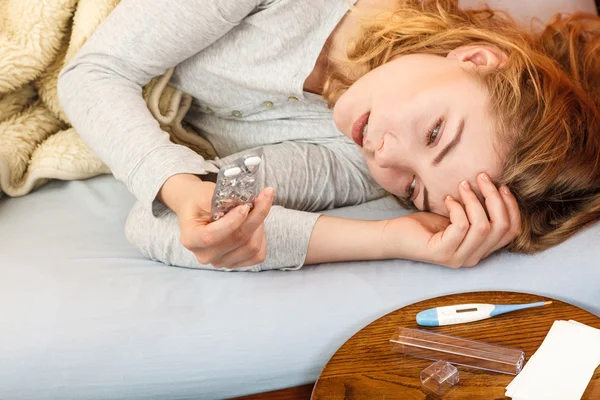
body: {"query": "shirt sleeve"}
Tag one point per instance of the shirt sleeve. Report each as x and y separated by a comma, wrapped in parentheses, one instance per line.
(306, 177)
(101, 89)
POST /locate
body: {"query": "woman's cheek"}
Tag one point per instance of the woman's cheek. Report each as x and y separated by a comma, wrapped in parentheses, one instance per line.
(386, 178)
(353, 103)
(341, 116)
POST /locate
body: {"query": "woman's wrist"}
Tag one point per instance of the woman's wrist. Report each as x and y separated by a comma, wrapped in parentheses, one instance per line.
(338, 239)
(394, 239)
(173, 192)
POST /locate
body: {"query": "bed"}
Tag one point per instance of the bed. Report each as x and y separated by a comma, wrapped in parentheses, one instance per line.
(84, 316)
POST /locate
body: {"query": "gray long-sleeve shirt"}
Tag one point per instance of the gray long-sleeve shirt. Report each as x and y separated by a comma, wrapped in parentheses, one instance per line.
(245, 63)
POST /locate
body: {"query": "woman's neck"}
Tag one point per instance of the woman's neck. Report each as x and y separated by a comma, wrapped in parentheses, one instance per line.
(334, 51)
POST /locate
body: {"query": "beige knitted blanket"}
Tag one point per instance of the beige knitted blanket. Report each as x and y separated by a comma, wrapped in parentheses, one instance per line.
(38, 38)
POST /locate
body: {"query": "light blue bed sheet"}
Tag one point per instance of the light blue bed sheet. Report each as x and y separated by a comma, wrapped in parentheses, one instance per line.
(84, 316)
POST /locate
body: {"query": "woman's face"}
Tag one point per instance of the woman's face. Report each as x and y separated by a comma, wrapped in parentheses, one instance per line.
(428, 127)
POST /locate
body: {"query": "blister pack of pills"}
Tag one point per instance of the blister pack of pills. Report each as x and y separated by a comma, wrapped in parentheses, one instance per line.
(236, 184)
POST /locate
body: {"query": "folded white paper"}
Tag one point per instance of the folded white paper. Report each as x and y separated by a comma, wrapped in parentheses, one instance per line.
(563, 365)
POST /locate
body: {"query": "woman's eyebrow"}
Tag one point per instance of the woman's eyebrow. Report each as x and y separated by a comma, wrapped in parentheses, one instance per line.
(451, 145)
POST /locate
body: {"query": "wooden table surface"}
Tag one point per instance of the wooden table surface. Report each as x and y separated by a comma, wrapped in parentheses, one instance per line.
(365, 367)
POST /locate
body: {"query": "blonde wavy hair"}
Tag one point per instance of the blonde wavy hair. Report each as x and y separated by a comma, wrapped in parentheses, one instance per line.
(545, 103)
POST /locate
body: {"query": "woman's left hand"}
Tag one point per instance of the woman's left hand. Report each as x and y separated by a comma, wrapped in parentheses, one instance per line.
(463, 239)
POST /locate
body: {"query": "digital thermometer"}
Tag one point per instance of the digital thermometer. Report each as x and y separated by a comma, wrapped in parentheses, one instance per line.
(462, 313)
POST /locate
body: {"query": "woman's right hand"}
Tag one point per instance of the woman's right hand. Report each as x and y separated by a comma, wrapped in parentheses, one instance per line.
(236, 240)
(472, 232)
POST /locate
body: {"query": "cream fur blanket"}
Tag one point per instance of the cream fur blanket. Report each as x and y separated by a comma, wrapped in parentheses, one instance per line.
(38, 38)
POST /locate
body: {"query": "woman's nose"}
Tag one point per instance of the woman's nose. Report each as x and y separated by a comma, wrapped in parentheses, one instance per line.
(388, 154)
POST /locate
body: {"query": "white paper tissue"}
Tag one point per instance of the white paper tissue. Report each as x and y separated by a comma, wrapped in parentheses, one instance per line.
(563, 365)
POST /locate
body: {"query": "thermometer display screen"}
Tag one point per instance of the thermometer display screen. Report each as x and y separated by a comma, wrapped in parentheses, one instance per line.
(466, 310)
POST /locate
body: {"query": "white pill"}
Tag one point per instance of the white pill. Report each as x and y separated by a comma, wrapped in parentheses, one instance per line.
(232, 172)
(252, 161)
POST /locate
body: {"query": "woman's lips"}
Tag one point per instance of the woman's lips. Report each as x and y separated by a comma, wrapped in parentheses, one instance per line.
(357, 129)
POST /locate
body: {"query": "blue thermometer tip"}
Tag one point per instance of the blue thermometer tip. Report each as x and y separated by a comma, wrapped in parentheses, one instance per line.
(504, 308)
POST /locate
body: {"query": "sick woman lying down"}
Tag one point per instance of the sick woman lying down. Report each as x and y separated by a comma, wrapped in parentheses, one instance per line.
(490, 131)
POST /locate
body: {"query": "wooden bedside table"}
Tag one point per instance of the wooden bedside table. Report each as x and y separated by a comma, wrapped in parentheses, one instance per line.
(365, 367)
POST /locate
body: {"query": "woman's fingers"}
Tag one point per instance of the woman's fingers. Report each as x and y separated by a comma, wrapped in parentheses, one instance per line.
(474, 234)
(256, 259)
(514, 220)
(222, 241)
(454, 234)
(262, 206)
(244, 252)
(513, 213)
(241, 237)
(216, 232)
(479, 225)
(498, 219)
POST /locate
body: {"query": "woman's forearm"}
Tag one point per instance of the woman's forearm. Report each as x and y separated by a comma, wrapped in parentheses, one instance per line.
(338, 239)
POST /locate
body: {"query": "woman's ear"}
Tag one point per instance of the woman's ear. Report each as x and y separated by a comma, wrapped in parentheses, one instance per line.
(484, 58)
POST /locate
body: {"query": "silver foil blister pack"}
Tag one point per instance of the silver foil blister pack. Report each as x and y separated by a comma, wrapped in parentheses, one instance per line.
(236, 184)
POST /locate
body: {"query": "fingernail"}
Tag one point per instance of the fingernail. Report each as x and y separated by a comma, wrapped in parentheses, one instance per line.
(505, 190)
(465, 185)
(449, 198)
(270, 193)
(244, 209)
(484, 177)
